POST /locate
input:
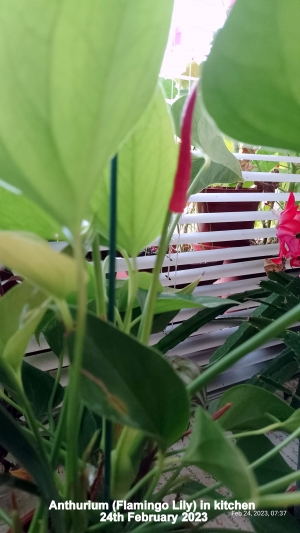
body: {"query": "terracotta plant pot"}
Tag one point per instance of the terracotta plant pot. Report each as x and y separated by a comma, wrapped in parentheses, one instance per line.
(219, 207)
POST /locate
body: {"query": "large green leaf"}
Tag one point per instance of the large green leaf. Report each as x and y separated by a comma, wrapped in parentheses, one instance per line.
(206, 136)
(146, 168)
(210, 450)
(36, 261)
(12, 438)
(76, 77)
(255, 447)
(20, 312)
(17, 213)
(250, 407)
(251, 81)
(130, 383)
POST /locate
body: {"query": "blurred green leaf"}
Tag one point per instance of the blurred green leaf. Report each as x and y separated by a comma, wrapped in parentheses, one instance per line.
(250, 72)
(250, 407)
(78, 75)
(211, 451)
(146, 169)
(20, 313)
(20, 214)
(130, 383)
(32, 258)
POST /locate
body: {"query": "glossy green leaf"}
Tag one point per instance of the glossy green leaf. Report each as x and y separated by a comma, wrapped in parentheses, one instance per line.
(130, 383)
(211, 451)
(204, 316)
(38, 387)
(12, 438)
(146, 168)
(250, 406)
(33, 259)
(17, 213)
(255, 447)
(250, 83)
(174, 302)
(20, 312)
(77, 75)
(206, 136)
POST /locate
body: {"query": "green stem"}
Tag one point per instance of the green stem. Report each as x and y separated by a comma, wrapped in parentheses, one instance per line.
(278, 500)
(108, 433)
(261, 431)
(4, 516)
(100, 291)
(147, 316)
(273, 330)
(73, 400)
(135, 321)
(169, 484)
(11, 402)
(118, 318)
(139, 484)
(33, 424)
(65, 314)
(132, 290)
(36, 517)
(204, 492)
(275, 450)
(155, 480)
(54, 390)
(279, 484)
(60, 430)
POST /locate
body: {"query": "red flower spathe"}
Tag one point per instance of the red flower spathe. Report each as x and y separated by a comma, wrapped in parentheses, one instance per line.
(287, 229)
(182, 177)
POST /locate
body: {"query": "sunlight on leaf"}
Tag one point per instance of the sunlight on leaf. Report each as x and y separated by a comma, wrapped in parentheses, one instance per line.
(146, 169)
(33, 259)
(77, 75)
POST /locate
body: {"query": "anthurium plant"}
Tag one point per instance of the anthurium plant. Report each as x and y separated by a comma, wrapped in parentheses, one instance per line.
(87, 154)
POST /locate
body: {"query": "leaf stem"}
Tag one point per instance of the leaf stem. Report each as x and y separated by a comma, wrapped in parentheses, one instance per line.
(147, 316)
(100, 291)
(107, 425)
(132, 290)
(54, 390)
(73, 400)
(255, 432)
(158, 472)
(280, 483)
(6, 518)
(273, 330)
(279, 500)
(275, 450)
(65, 314)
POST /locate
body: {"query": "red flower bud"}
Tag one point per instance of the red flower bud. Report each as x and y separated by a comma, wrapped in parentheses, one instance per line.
(182, 177)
